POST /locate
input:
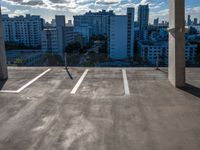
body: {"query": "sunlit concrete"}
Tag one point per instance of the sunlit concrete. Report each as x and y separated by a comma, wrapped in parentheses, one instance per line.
(99, 116)
(177, 43)
(3, 65)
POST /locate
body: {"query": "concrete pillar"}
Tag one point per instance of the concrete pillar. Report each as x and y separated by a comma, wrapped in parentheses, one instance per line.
(3, 65)
(176, 68)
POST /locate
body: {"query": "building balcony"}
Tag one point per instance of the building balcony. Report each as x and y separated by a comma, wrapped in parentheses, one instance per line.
(98, 109)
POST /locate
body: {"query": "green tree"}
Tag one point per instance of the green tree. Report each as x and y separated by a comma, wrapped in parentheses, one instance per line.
(104, 48)
(19, 62)
(72, 47)
(99, 37)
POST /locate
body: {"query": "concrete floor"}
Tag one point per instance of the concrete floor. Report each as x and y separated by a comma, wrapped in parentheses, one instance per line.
(99, 116)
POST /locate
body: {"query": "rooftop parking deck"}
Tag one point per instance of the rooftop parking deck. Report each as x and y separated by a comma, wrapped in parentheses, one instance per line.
(98, 109)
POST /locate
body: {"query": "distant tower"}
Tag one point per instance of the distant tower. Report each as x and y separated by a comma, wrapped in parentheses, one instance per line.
(60, 27)
(69, 23)
(3, 65)
(143, 18)
(189, 21)
(130, 34)
(156, 22)
(195, 21)
(60, 21)
(53, 22)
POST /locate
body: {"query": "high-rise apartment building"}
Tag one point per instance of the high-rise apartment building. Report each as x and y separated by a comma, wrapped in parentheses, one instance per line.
(23, 30)
(60, 27)
(60, 21)
(85, 31)
(94, 23)
(118, 37)
(121, 36)
(49, 40)
(55, 39)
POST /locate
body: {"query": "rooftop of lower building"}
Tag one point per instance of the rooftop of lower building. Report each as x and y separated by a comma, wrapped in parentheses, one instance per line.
(98, 109)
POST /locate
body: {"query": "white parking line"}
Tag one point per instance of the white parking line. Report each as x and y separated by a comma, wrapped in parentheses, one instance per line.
(126, 86)
(26, 85)
(8, 91)
(35, 79)
(79, 82)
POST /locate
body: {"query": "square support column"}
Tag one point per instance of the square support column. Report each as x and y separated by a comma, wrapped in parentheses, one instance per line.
(176, 68)
(3, 65)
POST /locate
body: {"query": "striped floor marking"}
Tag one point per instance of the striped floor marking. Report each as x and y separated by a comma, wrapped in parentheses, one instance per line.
(126, 86)
(26, 85)
(79, 82)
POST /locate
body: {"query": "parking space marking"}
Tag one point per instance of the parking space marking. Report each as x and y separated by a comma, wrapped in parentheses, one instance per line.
(79, 82)
(126, 86)
(26, 85)
(8, 91)
(33, 80)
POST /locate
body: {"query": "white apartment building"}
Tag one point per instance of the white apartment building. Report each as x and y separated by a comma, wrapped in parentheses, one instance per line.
(50, 40)
(68, 35)
(60, 28)
(92, 23)
(151, 51)
(55, 39)
(23, 30)
(118, 37)
(121, 36)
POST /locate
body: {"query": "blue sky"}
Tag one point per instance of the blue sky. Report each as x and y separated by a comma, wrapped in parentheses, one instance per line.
(49, 8)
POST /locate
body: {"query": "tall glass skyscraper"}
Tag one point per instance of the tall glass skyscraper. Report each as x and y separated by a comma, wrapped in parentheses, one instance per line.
(143, 19)
(143, 16)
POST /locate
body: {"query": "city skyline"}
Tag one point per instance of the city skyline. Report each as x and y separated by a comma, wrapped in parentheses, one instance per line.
(49, 8)
(118, 36)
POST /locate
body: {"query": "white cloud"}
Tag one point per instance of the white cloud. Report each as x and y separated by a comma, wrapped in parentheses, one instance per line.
(195, 11)
(162, 14)
(19, 12)
(85, 1)
(107, 1)
(156, 5)
(74, 7)
(5, 10)
(145, 1)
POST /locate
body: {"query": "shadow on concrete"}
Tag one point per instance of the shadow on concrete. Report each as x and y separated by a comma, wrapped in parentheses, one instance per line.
(195, 91)
(68, 73)
(2, 83)
(165, 71)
